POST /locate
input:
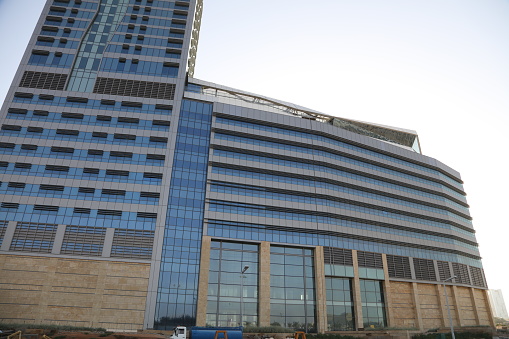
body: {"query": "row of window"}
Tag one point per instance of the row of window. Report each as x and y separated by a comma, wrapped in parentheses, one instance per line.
(328, 154)
(328, 218)
(102, 104)
(54, 59)
(132, 28)
(312, 200)
(147, 51)
(88, 173)
(80, 193)
(66, 32)
(136, 66)
(328, 169)
(78, 136)
(285, 178)
(80, 118)
(77, 3)
(334, 142)
(79, 216)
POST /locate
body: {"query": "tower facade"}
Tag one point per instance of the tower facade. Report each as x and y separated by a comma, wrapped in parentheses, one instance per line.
(135, 196)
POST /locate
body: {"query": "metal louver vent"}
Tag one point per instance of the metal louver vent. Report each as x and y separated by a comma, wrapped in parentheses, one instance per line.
(444, 270)
(33, 237)
(461, 273)
(83, 240)
(42, 80)
(135, 88)
(369, 259)
(424, 269)
(399, 267)
(477, 276)
(133, 244)
(337, 256)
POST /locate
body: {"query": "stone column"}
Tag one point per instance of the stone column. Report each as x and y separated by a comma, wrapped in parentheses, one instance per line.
(321, 305)
(203, 282)
(264, 285)
(388, 295)
(442, 305)
(488, 308)
(417, 303)
(455, 302)
(475, 305)
(357, 301)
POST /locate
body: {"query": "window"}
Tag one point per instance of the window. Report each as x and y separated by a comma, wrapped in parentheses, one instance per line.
(373, 304)
(292, 289)
(233, 284)
(340, 311)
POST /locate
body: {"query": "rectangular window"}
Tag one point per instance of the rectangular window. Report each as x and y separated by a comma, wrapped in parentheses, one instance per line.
(233, 285)
(292, 289)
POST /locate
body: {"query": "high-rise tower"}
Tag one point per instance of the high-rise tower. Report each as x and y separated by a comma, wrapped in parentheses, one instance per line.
(135, 196)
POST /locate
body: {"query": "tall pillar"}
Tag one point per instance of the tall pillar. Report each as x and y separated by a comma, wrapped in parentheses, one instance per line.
(457, 307)
(488, 308)
(417, 303)
(357, 301)
(320, 289)
(388, 295)
(441, 304)
(203, 282)
(475, 305)
(264, 285)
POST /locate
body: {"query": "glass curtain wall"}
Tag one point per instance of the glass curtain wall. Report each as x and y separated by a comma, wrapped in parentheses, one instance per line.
(340, 312)
(373, 304)
(233, 285)
(292, 288)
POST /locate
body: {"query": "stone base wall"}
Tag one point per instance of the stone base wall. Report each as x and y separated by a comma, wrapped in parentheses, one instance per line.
(423, 306)
(77, 292)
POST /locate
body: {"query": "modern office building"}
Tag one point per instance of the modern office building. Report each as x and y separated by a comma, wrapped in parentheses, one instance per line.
(498, 304)
(135, 196)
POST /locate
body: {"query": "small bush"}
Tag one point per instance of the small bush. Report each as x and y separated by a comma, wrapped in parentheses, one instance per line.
(105, 334)
(60, 337)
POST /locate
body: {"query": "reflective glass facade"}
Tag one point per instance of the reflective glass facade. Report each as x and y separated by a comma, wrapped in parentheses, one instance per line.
(232, 297)
(222, 208)
(292, 291)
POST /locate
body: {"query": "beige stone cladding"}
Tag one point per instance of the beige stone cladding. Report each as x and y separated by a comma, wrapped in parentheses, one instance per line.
(94, 293)
(466, 306)
(403, 307)
(429, 299)
(423, 306)
(482, 306)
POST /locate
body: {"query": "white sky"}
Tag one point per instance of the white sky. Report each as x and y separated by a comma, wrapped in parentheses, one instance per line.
(440, 67)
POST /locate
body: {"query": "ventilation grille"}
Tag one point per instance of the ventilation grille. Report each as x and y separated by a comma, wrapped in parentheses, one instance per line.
(444, 270)
(477, 276)
(399, 267)
(369, 259)
(41, 80)
(424, 269)
(135, 88)
(3, 228)
(82, 240)
(461, 273)
(132, 244)
(337, 256)
(33, 237)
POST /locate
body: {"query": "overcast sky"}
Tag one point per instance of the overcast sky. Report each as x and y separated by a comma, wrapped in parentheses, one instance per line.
(440, 67)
